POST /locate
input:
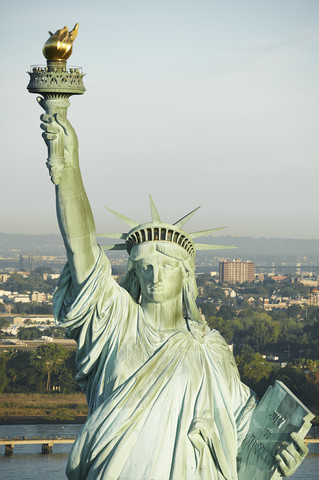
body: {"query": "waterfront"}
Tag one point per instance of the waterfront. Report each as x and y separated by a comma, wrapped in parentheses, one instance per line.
(28, 462)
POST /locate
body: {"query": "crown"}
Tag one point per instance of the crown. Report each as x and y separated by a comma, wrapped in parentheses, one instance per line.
(158, 231)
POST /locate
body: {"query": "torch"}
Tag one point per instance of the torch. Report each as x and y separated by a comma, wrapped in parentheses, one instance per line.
(56, 83)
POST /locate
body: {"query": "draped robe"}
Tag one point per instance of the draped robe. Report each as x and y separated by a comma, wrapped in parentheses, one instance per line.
(165, 405)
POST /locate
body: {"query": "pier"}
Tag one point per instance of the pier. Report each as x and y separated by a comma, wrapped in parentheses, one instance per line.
(46, 442)
(311, 440)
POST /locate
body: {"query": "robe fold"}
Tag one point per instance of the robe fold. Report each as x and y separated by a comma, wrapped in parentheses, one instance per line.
(165, 405)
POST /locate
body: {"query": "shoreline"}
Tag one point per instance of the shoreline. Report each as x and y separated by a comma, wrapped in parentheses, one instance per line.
(47, 419)
(41, 420)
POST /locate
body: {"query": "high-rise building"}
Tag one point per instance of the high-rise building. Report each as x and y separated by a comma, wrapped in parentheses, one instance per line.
(30, 262)
(236, 271)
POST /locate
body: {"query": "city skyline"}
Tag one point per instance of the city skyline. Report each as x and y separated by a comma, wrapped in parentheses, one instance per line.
(206, 103)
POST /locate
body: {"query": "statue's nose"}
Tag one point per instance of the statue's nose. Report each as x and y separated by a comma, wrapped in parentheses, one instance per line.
(157, 274)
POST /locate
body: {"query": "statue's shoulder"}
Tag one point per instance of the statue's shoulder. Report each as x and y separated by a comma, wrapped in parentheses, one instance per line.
(218, 344)
(213, 336)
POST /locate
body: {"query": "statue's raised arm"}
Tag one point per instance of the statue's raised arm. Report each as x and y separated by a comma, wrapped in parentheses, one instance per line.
(73, 209)
(56, 83)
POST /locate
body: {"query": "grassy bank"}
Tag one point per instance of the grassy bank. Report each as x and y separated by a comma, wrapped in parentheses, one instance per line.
(23, 408)
(42, 408)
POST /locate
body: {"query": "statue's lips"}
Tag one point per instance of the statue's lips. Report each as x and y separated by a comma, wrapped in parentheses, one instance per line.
(156, 288)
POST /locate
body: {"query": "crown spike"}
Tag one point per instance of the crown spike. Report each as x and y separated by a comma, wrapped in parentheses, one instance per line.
(204, 233)
(154, 212)
(117, 246)
(204, 246)
(180, 223)
(121, 236)
(128, 221)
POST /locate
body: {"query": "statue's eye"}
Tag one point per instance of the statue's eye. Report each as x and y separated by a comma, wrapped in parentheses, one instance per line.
(167, 266)
(145, 268)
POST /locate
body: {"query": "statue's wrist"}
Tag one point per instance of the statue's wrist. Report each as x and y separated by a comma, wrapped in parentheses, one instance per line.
(58, 165)
(69, 194)
(71, 184)
(74, 159)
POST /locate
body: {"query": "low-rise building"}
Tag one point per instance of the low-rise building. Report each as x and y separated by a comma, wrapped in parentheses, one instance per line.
(21, 298)
(38, 297)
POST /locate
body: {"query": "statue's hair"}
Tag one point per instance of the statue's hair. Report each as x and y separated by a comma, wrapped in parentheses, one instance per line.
(132, 284)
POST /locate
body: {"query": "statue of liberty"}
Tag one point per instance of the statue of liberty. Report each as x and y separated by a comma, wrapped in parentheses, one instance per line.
(164, 394)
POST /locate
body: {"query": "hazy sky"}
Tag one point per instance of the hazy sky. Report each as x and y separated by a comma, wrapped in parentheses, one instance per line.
(198, 102)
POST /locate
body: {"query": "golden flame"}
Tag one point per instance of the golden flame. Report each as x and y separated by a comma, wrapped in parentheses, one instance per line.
(59, 46)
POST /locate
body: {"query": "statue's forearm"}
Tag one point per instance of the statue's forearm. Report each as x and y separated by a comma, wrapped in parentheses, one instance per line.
(76, 224)
(73, 209)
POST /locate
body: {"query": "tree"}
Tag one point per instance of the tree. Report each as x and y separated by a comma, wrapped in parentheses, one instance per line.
(55, 332)
(252, 366)
(254, 370)
(19, 307)
(34, 282)
(16, 283)
(4, 323)
(43, 270)
(295, 311)
(22, 375)
(311, 331)
(208, 309)
(225, 328)
(32, 308)
(256, 329)
(25, 371)
(29, 333)
(227, 312)
(312, 377)
(49, 359)
(3, 376)
(67, 374)
(294, 378)
(264, 330)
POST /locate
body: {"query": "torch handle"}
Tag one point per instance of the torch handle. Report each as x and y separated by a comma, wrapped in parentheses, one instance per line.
(56, 161)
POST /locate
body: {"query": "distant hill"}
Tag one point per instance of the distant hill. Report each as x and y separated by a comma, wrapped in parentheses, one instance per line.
(31, 244)
(268, 250)
(271, 246)
(260, 250)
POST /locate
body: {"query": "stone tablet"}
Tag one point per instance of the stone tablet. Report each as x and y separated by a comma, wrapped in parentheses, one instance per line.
(278, 414)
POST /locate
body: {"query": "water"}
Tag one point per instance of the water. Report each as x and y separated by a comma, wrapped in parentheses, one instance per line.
(28, 463)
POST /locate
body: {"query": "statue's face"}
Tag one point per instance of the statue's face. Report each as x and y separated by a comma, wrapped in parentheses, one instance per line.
(161, 277)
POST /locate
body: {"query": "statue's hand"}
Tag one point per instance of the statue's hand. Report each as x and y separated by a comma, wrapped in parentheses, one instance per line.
(54, 126)
(291, 455)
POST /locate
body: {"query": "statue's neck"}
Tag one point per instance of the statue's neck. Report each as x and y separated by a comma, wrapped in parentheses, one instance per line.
(164, 316)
